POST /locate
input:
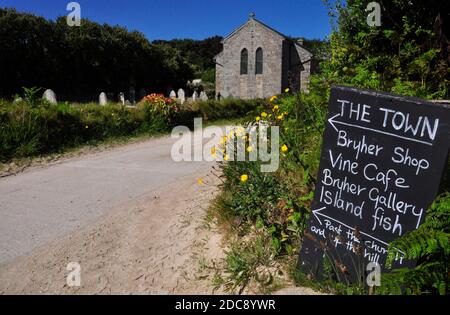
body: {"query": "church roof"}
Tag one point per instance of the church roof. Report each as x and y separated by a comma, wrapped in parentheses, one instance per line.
(252, 18)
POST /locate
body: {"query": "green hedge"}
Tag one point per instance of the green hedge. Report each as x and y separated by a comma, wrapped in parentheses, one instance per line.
(27, 130)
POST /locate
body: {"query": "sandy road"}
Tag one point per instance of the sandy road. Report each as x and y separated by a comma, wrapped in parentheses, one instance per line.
(130, 216)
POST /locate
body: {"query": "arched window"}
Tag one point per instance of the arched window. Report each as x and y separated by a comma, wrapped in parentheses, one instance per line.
(244, 61)
(259, 61)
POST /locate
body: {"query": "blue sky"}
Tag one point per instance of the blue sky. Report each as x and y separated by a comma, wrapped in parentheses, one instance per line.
(197, 19)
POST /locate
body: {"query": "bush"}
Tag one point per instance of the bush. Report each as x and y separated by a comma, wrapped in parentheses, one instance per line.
(277, 201)
(32, 126)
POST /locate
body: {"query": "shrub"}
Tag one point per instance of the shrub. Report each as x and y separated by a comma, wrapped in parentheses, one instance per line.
(277, 201)
(32, 126)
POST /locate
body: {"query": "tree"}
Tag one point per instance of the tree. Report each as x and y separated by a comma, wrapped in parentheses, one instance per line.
(403, 55)
(80, 62)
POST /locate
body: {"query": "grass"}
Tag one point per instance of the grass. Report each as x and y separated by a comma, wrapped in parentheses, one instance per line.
(34, 128)
(16, 165)
(249, 265)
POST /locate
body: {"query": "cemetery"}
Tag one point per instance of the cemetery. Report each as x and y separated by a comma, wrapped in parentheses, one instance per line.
(359, 123)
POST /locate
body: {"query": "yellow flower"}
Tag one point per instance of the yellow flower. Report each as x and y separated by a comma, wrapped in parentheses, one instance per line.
(287, 90)
(224, 140)
(270, 116)
(263, 114)
(280, 117)
(226, 157)
(200, 181)
(276, 108)
(284, 148)
(87, 127)
(258, 118)
(249, 149)
(273, 98)
(213, 151)
(244, 178)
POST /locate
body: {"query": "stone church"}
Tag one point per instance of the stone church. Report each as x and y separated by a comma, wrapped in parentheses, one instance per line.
(259, 62)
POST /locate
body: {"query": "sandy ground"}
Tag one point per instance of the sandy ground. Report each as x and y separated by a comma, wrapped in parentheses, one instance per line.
(47, 202)
(154, 246)
(132, 218)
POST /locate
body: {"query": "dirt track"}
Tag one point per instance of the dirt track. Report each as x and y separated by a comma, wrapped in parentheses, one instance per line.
(130, 216)
(136, 250)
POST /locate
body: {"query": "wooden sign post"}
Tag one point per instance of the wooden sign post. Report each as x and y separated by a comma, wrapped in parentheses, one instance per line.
(381, 165)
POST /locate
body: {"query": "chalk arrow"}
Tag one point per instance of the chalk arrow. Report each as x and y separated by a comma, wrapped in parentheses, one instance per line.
(333, 122)
(316, 213)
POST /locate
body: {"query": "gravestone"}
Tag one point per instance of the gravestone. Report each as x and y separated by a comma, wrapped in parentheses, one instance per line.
(103, 99)
(195, 96)
(50, 96)
(122, 98)
(173, 94)
(203, 96)
(381, 165)
(181, 96)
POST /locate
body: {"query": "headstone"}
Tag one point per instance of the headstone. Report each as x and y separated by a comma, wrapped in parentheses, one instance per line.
(173, 94)
(122, 98)
(197, 82)
(50, 96)
(181, 96)
(203, 96)
(128, 103)
(103, 99)
(382, 160)
(195, 96)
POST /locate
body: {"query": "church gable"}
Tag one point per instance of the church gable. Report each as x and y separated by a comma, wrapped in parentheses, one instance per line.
(257, 62)
(251, 25)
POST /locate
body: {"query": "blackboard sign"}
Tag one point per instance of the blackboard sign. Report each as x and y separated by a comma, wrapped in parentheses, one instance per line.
(382, 161)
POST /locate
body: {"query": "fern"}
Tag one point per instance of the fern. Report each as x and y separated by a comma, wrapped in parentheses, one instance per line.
(430, 245)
